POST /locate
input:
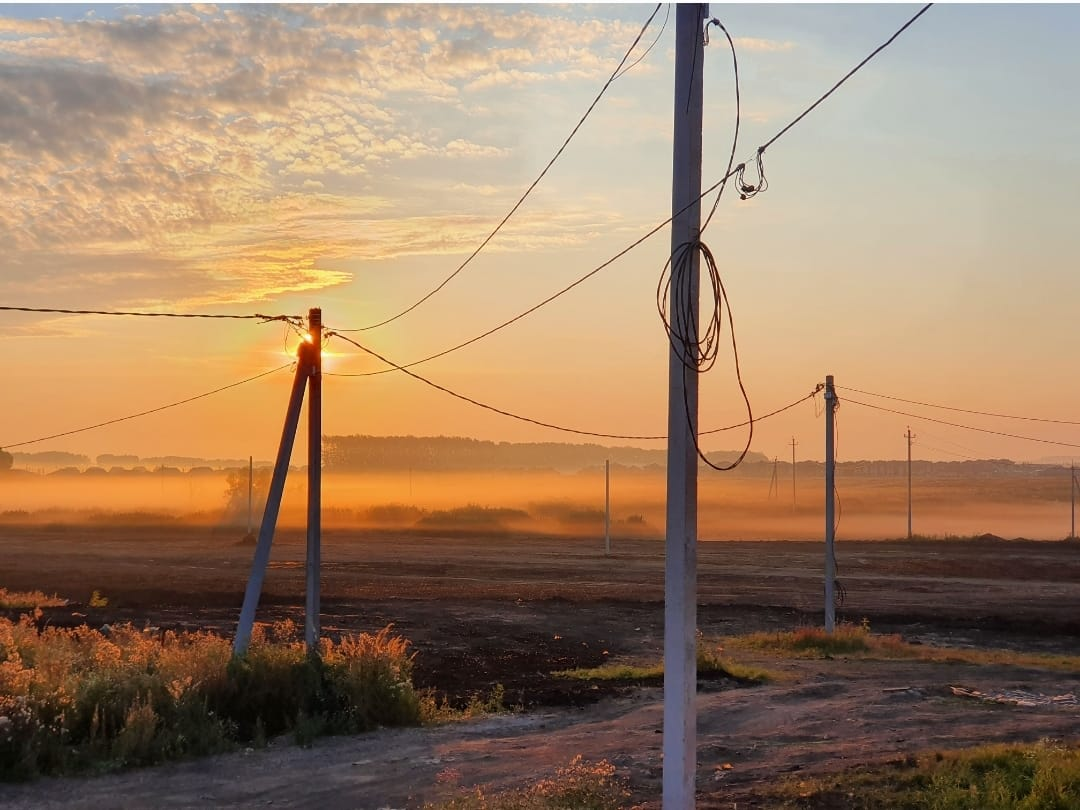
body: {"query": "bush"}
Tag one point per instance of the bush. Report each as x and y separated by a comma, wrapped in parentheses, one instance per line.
(76, 700)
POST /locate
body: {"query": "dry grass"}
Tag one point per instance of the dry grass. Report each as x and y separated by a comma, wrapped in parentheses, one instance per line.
(82, 700)
(28, 600)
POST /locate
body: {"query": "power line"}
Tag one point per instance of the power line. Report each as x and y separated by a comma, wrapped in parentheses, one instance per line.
(146, 413)
(966, 410)
(847, 76)
(611, 79)
(948, 452)
(747, 190)
(255, 317)
(530, 420)
(956, 424)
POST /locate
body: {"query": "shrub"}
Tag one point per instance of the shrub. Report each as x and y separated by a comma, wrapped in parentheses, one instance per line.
(73, 700)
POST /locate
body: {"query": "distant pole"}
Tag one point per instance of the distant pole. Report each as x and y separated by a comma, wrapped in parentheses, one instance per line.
(774, 482)
(251, 487)
(910, 438)
(607, 506)
(273, 505)
(680, 564)
(793, 504)
(314, 528)
(1072, 498)
(830, 505)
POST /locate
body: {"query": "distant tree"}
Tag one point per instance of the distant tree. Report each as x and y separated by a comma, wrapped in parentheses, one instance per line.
(236, 491)
(6, 460)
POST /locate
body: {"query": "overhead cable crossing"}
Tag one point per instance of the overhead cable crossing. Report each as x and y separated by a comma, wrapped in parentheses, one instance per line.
(619, 71)
(540, 423)
(964, 410)
(958, 425)
(733, 172)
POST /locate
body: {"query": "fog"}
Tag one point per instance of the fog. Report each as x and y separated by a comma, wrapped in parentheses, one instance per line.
(549, 502)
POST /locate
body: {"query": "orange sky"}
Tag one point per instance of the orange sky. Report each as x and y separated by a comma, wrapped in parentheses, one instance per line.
(916, 239)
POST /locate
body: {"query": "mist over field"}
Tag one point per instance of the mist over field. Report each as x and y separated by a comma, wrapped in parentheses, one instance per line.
(1009, 501)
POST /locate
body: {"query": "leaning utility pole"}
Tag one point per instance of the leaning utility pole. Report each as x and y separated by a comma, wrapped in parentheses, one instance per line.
(830, 505)
(273, 503)
(314, 529)
(910, 438)
(680, 567)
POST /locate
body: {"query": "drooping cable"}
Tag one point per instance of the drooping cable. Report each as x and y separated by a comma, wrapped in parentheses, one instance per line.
(530, 420)
(148, 412)
(615, 74)
(698, 351)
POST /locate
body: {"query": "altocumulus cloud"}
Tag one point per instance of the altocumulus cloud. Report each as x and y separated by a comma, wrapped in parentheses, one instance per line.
(202, 155)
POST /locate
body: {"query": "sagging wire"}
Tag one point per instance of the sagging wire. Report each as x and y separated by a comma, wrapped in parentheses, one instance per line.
(696, 351)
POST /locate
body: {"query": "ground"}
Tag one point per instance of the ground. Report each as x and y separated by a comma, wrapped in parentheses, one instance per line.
(510, 609)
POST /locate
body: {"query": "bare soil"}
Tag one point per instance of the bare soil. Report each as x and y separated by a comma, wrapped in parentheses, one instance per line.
(511, 609)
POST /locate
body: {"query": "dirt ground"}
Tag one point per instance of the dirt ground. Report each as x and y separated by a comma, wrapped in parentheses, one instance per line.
(510, 609)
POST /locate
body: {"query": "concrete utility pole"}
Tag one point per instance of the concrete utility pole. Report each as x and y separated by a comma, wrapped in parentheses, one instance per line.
(830, 505)
(607, 506)
(273, 503)
(910, 439)
(680, 567)
(314, 529)
(774, 482)
(793, 443)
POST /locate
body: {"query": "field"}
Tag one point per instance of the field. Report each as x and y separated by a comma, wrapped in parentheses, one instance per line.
(511, 608)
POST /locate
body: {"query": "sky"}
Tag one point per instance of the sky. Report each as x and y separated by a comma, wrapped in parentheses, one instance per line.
(917, 238)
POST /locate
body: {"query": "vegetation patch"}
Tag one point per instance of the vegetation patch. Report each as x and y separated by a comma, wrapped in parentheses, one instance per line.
(856, 641)
(581, 785)
(710, 662)
(83, 700)
(473, 517)
(28, 600)
(1044, 776)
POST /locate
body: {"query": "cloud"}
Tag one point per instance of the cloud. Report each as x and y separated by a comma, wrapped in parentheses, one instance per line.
(203, 154)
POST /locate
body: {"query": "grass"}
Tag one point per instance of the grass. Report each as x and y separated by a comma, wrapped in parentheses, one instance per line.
(28, 600)
(1043, 776)
(856, 641)
(710, 661)
(76, 700)
(581, 785)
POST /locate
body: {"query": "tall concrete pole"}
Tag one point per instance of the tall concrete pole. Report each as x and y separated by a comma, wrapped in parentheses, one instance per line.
(830, 506)
(680, 569)
(314, 528)
(273, 505)
(1072, 498)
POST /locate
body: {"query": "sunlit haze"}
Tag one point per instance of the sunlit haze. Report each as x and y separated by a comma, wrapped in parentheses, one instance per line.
(917, 238)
